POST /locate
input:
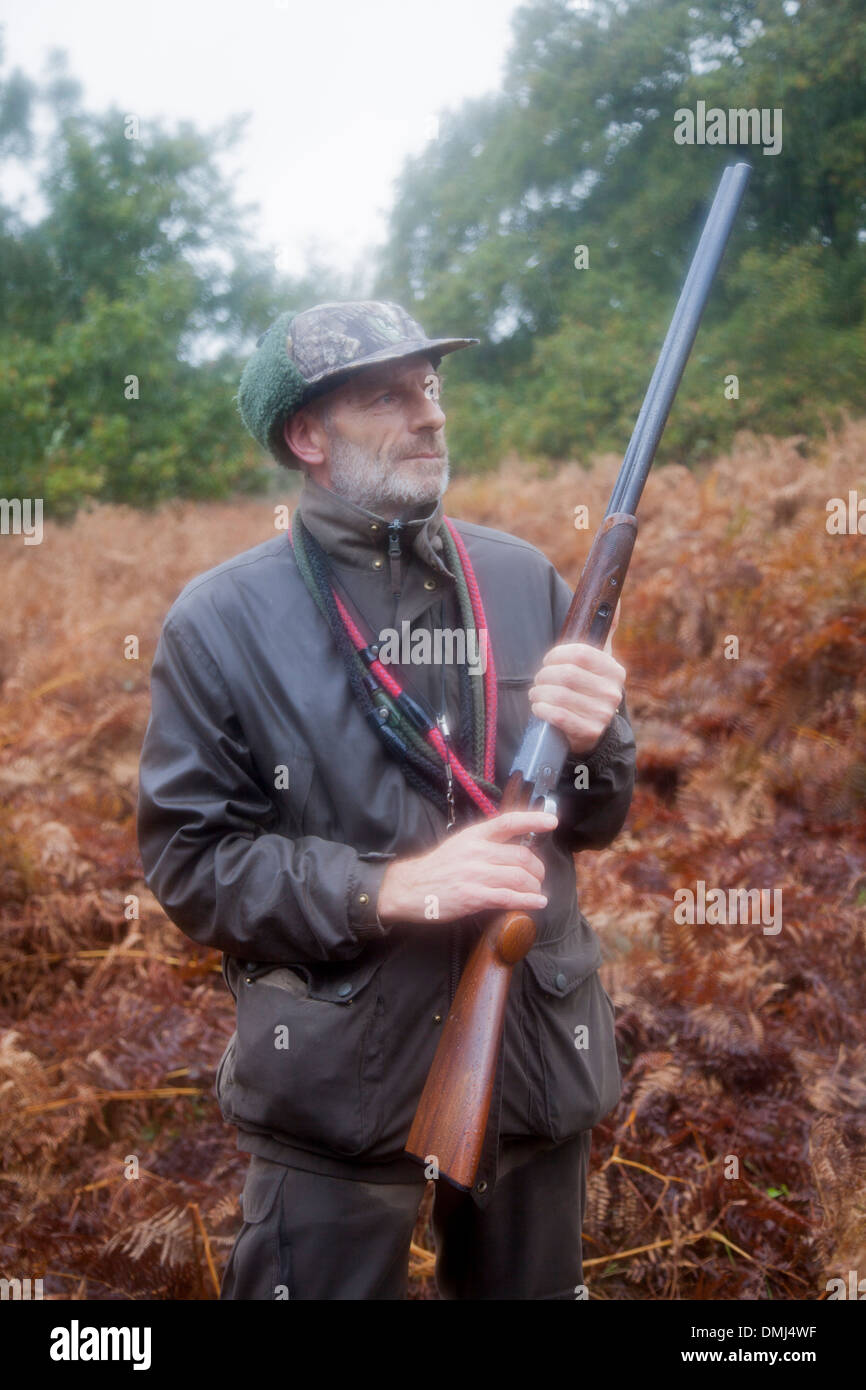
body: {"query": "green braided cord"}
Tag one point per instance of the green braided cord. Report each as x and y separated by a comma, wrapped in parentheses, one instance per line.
(310, 580)
(396, 719)
(304, 565)
(406, 729)
(409, 734)
(494, 792)
(476, 679)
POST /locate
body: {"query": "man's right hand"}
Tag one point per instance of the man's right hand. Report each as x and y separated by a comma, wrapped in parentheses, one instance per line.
(471, 871)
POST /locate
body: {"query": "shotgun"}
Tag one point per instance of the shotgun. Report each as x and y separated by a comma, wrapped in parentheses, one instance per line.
(451, 1120)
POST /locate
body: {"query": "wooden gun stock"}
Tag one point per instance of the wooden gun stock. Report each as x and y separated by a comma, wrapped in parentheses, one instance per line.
(451, 1118)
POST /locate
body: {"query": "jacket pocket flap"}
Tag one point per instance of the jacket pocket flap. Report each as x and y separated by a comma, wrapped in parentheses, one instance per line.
(340, 981)
(335, 982)
(558, 967)
(304, 1071)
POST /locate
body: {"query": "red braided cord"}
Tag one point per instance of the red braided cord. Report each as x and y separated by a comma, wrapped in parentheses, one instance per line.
(463, 777)
(432, 735)
(490, 668)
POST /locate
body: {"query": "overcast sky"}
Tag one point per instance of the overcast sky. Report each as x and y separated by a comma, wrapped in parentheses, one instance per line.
(339, 91)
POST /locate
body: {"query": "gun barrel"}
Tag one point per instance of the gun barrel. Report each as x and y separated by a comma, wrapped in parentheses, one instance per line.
(678, 342)
(452, 1115)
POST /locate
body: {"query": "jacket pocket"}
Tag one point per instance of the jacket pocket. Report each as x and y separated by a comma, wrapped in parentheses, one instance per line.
(258, 1266)
(226, 1063)
(302, 1053)
(512, 715)
(569, 1040)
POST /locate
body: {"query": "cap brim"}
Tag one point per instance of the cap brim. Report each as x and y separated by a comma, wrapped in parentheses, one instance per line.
(409, 347)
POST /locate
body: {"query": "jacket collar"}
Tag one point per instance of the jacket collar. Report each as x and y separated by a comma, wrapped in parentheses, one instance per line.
(349, 534)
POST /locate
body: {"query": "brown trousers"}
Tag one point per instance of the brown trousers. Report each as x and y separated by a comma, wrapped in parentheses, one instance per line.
(309, 1236)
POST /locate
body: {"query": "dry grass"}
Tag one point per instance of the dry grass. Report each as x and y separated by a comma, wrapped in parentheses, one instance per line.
(751, 773)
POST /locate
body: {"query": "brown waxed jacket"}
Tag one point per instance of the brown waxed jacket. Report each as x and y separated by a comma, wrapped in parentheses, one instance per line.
(338, 1017)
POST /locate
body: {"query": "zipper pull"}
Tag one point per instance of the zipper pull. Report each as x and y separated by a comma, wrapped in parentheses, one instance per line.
(394, 553)
(442, 722)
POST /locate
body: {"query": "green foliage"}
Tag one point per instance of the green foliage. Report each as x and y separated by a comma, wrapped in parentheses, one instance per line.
(81, 432)
(578, 149)
(122, 312)
(142, 267)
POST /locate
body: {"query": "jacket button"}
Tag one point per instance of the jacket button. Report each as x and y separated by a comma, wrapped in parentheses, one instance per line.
(560, 981)
(364, 898)
(344, 989)
(374, 525)
(481, 1186)
(437, 1018)
(377, 564)
(429, 583)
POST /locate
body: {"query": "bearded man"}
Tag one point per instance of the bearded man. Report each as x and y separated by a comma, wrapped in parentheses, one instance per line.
(327, 818)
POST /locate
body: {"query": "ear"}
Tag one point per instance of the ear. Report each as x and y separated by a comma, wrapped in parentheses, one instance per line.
(306, 437)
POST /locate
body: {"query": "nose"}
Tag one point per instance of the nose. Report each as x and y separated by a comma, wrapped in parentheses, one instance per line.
(427, 414)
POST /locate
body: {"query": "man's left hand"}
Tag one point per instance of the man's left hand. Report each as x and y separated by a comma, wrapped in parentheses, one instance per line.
(579, 689)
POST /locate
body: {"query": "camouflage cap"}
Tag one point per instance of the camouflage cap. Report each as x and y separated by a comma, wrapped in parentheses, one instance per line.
(302, 355)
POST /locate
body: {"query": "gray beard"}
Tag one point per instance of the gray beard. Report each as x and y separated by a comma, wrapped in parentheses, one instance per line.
(381, 484)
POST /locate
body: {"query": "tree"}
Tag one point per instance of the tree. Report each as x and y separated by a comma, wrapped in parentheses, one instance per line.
(124, 309)
(578, 148)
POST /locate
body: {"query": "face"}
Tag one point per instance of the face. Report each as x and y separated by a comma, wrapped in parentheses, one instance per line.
(382, 438)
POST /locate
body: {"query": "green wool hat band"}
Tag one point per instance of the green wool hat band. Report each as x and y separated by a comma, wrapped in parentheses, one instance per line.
(271, 389)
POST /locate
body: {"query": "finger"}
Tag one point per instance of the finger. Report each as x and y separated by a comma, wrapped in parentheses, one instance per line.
(512, 873)
(512, 854)
(515, 878)
(512, 823)
(582, 733)
(574, 714)
(581, 656)
(573, 680)
(511, 901)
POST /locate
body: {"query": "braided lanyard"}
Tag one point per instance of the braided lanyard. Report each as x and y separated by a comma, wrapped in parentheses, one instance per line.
(404, 726)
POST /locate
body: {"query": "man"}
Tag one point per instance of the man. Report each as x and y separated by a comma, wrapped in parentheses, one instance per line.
(318, 800)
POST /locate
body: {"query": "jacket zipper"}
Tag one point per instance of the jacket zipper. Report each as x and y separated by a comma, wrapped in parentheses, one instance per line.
(442, 721)
(394, 554)
(394, 557)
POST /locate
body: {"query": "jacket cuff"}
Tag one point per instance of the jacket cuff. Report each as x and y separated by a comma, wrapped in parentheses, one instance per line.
(602, 755)
(365, 882)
